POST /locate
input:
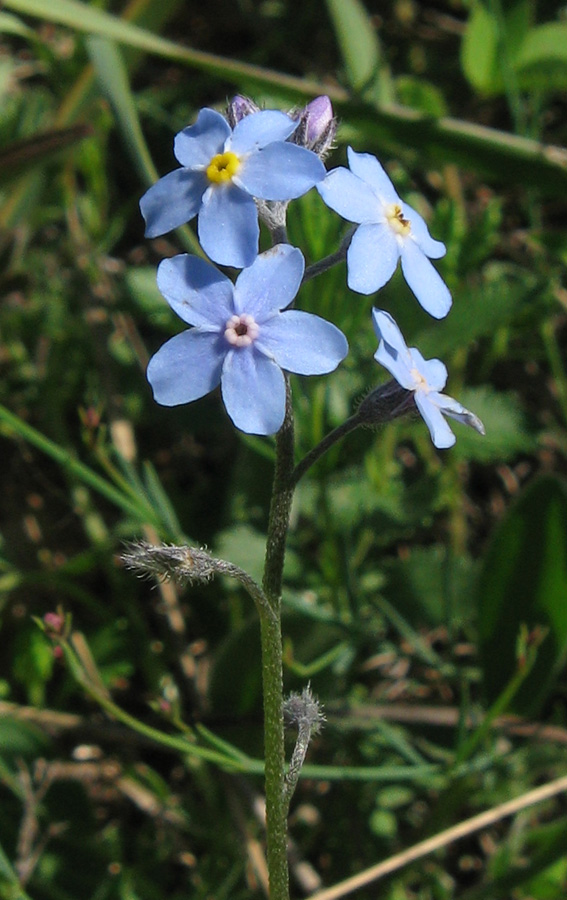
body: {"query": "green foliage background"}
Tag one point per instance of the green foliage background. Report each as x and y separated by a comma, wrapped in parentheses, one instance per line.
(421, 587)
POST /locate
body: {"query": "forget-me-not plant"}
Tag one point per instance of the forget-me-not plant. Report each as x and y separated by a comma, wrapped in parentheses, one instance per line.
(389, 230)
(222, 171)
(426, 378)
(243, 336)
(247, 336)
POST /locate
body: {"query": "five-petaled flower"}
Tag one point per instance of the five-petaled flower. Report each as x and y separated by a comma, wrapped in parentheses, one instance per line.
(425, 377)
(388, 230)
(243, 336)
(222, 171)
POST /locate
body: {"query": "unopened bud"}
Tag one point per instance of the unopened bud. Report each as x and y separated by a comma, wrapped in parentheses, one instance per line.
(238, 108)
(387, 402)
(185, 564)
(54, 622)
(304, 710)
(316, 127)
(306, 713)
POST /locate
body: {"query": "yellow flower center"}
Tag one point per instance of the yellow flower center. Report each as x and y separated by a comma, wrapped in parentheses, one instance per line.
(223, 167)
(396, 219)
(420, 381)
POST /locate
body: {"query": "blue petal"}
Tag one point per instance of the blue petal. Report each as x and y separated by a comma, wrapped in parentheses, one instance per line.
(253, 390)
(387, 330)
(196, 145)
(196, 291)
(270, 283)
(451, 407)
(371, 258)
(426, 283)
(441, 434)
(432, 248)
(280, 172)
(228, 226)
(432, 370)
(398, 364)
(172, 201)
(350, 197)
(186, 368)
(303, 343)
(259, 129)
(369, 170)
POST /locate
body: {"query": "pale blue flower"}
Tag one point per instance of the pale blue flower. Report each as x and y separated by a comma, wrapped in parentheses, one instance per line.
(389, 230)
(222, 170)
(425, 377)
(243, 336)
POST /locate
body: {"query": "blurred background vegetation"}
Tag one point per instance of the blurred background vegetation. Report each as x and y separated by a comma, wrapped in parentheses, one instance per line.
(425, 593)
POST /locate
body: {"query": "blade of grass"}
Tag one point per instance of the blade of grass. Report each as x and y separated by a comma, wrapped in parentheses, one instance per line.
(112, 76)
(494, 154)
(14, 426)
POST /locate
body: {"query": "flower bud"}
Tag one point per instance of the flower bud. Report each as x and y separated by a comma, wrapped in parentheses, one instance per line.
(387, 402)
(306, 713)
(190, 565)
(316, 127)
(238, 108)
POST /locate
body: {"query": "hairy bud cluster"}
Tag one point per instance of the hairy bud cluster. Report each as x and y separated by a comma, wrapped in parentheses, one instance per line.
(316, 124)
(303, 711)
(188, 565)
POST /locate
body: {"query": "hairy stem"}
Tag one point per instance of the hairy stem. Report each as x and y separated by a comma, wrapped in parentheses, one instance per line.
(272, 664)
(317, 452)
(329, 261)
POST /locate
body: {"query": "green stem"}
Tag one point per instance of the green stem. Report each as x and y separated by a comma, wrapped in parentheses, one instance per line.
(272, 659)
(325, 444)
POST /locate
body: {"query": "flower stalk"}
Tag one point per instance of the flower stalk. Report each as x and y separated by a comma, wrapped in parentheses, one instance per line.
(272, 659)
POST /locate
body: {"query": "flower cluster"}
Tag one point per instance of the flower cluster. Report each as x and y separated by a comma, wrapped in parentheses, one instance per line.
(244, 168)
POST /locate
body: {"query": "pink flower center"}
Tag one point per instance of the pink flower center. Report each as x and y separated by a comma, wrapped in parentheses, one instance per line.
(241, 331)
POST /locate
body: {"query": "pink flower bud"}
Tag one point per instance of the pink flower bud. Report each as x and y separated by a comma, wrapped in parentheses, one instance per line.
(318, 117)
(238, 108)
(54, 622)
(316, 127)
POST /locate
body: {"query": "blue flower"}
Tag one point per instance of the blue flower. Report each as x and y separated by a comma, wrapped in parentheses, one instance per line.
(425, 377)
(222, 170)
(243, 336)
(388, 230)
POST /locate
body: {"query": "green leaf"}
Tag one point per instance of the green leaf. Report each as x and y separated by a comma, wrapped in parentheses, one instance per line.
(504, 421)
(479, 51)
(429, 585)
(500, 297)
(360, 49)
(523, 581)
(421, 94)
(112, 76)
(492, 39)
(20, 739)
(542, 59)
